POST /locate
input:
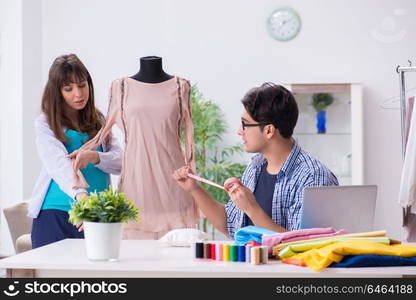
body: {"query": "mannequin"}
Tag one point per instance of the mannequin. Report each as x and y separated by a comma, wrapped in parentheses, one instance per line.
(151, 70)
(153, 110)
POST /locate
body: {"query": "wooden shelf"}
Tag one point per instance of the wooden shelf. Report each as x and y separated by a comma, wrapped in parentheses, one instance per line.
(321, 88)
(322, 134)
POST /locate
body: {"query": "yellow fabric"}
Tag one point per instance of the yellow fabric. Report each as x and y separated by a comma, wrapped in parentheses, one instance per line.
(277, 248)
(307, 245)
(318, 259)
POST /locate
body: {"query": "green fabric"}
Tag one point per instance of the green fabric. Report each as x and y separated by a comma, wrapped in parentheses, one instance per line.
(291, 250)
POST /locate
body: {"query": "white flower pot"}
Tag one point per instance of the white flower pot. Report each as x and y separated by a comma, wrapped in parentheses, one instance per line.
(102, 240)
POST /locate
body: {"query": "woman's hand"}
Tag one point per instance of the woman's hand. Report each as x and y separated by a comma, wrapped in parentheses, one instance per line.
(79, 196)
(186, 183)
(83, 158)
(80, 226)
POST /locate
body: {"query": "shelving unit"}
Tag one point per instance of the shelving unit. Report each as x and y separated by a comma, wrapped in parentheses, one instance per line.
(341, 147)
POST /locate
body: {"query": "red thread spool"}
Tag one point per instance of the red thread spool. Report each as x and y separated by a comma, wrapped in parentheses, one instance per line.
(213, 251)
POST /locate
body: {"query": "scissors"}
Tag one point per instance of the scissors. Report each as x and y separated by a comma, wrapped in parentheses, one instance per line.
(229, 185)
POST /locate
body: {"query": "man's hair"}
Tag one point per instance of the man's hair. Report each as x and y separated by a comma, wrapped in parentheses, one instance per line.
(272, 104)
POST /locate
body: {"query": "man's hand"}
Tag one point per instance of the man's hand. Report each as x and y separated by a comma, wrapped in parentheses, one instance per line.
(243, 198)
(186, 183)
(83, 158)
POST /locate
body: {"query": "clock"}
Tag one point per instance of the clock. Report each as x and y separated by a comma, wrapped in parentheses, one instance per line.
(284, 24)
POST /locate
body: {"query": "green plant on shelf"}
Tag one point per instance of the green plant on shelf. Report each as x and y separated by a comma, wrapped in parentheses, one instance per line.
(320, 101)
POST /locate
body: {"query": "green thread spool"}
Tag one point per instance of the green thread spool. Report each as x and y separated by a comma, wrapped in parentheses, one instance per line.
(233, 253)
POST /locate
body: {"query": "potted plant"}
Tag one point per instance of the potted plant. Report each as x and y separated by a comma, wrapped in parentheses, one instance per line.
(320, 102)
(212, 161)
(102, 215)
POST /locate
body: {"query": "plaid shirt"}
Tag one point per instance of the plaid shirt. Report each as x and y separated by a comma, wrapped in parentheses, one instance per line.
(300, 170)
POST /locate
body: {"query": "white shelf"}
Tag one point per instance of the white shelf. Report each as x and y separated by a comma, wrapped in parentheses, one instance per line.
(341, 147)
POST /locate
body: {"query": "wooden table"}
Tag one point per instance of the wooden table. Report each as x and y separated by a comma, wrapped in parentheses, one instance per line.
(148, 258)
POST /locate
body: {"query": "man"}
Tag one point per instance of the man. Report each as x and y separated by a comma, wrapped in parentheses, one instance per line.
(271, 191)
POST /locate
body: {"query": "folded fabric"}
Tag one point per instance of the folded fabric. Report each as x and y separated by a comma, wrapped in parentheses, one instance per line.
(299, 235)
(372, 260)
(251, 233)
(307, 245)
(318, 259)
(277, 248)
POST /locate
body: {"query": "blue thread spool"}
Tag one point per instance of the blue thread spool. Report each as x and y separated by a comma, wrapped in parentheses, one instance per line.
(241, 253)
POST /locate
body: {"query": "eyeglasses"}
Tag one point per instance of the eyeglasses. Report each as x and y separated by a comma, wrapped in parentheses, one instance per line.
(244, 125)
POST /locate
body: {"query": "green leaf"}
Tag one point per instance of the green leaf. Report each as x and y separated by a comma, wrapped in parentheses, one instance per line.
(107, 206)
(320, 101)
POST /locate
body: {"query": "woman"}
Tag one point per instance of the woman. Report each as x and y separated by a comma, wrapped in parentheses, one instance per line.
(69, 118)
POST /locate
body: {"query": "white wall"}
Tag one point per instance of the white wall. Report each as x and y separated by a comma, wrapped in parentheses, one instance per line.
(11, 147)
(32, 89)
(224, 47)
(20, 79)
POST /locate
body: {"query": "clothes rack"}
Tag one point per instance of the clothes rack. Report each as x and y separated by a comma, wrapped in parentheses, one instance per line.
(402, 84)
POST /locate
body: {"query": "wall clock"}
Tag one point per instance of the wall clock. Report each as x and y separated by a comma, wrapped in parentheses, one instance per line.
(284, 24)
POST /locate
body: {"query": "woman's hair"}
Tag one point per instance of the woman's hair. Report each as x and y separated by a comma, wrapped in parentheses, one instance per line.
(272, 104)
(68, 69)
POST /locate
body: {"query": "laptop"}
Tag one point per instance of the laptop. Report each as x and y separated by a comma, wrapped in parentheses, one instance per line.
(341, 207)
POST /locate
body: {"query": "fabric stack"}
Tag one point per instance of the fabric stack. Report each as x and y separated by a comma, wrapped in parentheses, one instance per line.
(319, 248)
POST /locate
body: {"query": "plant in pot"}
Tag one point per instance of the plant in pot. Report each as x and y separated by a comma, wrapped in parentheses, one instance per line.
(212, 161)
(102, 215)
(320, 102)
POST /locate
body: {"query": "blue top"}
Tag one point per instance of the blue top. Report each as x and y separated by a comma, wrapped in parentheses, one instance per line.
(98, 180)
(297, 172)
(264, 191)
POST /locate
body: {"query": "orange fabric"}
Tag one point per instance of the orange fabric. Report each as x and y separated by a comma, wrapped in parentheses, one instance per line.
(296, 262)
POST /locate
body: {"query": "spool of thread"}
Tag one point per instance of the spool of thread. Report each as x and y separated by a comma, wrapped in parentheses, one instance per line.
(213, 251)
(248, 253)
(233, 252)
(255, 255)
(199, 250)
(226, 252)
(241, 253)
(207, 250)
(218, 251)
(264, 253)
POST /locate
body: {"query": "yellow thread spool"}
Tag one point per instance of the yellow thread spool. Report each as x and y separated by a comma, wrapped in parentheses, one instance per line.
(226, 252)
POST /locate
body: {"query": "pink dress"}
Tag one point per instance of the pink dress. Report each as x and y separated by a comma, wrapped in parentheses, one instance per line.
(152, 117)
